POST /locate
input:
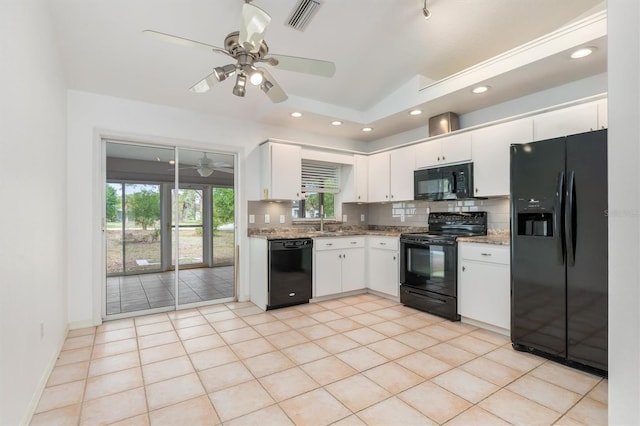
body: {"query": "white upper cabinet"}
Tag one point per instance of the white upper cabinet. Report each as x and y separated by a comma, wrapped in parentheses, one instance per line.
(360, 178)
(567, 121)
(281, 171)
(446, 150)
(490, 153)
(401, 167)
(379, 177)
(391, 175)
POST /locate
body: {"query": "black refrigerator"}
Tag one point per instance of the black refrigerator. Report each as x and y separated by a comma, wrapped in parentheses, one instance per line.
(559, 248)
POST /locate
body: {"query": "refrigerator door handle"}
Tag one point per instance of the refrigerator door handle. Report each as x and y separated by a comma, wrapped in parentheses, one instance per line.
(559, 225)
(569, 222)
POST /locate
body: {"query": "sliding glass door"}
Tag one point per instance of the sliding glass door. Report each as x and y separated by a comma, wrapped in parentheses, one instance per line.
(149, 224)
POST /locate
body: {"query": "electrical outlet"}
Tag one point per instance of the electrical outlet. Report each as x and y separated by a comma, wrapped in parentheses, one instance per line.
(344, 217)
(282, 218)
(267, 218)
(252, 218)
(362, 217)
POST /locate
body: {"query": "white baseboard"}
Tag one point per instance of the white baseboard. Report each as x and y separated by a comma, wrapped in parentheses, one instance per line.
(83, 324)
(42, 383)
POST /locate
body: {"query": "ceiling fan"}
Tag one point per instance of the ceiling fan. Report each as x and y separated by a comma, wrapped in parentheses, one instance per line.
(248, 48)
(205, 166)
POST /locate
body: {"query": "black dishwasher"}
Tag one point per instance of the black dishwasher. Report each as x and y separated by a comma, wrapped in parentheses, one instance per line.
(290, 272)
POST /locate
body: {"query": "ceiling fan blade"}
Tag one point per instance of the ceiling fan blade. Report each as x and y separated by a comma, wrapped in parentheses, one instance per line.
(254, 26)
(223, 169)
(271, 87)
(183, 41)
(204, 85)
(304, 65)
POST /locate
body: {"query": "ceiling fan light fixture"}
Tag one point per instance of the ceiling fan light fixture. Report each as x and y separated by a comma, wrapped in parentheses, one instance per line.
(266, 86)
(240, 88)
(204, 171)
(222, 73)
(256, 78)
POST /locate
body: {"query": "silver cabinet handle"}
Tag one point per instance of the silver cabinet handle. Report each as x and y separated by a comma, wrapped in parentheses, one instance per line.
(354, 242)
(486, 254)
(383, 244)
(394, 258)
(464, 269)
(328, 244)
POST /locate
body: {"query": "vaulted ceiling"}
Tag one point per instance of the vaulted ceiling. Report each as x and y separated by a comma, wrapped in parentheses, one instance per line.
(388, 58)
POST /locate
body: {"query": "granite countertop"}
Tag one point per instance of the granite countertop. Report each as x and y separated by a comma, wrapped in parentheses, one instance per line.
(288, 233)
(501, 239)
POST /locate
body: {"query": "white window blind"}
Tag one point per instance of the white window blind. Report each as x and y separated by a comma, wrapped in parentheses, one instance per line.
(319, 176)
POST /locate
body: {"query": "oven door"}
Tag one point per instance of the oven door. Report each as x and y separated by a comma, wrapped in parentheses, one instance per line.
(429, 266)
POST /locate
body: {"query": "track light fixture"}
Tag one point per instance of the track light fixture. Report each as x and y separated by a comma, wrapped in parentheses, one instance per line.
(425, 12)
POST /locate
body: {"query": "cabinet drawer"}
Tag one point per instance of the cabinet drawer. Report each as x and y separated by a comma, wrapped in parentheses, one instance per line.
(338, 243)
(484, 253)
(385, 243)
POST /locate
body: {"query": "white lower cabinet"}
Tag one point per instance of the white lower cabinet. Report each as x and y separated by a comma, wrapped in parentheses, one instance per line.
(484, 284)
(339, 265)
(384, 265)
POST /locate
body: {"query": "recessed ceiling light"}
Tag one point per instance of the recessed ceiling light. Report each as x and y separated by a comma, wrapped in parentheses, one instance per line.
(480, 89)
(367, 129)
(336, 123)
(581, 53)
(415, 112)
(296, 114)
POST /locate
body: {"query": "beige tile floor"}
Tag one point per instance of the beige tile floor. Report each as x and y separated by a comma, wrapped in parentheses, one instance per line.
(350, 361)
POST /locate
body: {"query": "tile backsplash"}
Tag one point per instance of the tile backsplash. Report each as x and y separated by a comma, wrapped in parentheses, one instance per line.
(407, 213)
(415, 213)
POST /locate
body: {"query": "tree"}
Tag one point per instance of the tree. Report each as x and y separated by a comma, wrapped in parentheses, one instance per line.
(223, 206)
(144, 207)
(113, 202)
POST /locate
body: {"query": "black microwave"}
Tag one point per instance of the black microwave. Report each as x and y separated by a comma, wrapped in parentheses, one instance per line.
(444, 183)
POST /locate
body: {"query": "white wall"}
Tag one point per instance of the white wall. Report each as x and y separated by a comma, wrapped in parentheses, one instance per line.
(624, 209)
(33, 206)
(91, 115)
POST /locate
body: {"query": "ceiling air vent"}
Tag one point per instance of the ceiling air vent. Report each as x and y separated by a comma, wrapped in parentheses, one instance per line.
(302, 14)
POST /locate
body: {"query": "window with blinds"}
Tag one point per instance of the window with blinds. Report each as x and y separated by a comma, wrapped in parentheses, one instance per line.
(320, 177)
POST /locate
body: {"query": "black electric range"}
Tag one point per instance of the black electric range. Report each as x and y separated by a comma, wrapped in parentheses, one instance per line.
(429, 262)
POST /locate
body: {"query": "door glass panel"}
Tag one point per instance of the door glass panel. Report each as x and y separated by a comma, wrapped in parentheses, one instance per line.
(137, 178)
(205, 222)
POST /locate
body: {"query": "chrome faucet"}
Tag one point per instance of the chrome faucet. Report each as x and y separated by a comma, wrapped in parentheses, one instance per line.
(321, 218)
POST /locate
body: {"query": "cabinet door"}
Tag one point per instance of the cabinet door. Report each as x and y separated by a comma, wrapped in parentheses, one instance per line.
(484, 293)
(490, 149)
(428, 154)
(456, 148)
(327, 272)
(567, 121)
(283, 174)
(353, 269)
(361, 178)
(379, 177)
(603, 114)
(401, 166)
(384, 275)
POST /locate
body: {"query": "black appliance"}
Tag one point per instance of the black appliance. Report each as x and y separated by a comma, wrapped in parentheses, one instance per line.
(559, 248)
(443, 183)
(429, 262)
(290, 272)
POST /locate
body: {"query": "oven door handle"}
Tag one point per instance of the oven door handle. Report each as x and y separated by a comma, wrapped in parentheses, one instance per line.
(434, 299)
